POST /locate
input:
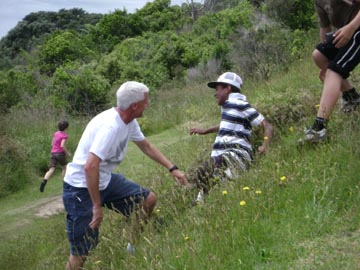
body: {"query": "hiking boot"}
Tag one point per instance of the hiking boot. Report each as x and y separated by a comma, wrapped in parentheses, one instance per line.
(42, 186)
(130, 249)
(314, 136)
(200, 197)
(349, 105)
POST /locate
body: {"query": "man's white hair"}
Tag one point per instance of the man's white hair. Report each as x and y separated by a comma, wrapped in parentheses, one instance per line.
(129, 93)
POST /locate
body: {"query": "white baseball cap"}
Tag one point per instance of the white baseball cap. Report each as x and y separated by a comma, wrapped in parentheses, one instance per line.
(228, 78)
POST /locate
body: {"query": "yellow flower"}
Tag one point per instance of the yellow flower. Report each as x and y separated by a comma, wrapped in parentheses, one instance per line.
(246, 188)
(186, 238)
(98, 262)
(224, 192)
(317, 106)
(266, 138)
(283, 178)
(258, 192)
(291, 129)
(242, 203)
(158, 210)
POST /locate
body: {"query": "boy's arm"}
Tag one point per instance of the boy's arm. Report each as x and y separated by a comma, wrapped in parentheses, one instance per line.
(268, 134)
(203, 131)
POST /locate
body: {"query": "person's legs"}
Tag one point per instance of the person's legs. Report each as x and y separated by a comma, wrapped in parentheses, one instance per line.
(78, 207)
(149, 204)
(341, 63)
(330, 94)
(126, 197)
(349, 93)
(75, 262)
(207, 173)
(63, 171)
(331, 90)
(48, 174)
(322, 56)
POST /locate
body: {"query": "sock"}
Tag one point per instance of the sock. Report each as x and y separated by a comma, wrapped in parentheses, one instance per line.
(319, 124)
(45, 181)
(353, 94)
(350, 94)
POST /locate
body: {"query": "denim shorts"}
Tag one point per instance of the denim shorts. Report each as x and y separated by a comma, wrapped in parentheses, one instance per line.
(120, 195)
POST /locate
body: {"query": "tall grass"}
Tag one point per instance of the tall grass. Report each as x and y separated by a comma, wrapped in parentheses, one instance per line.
(299, 205)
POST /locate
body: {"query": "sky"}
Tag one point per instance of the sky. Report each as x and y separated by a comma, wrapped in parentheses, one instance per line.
(13, 11)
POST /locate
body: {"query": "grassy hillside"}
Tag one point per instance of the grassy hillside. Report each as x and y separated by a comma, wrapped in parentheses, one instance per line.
(301, 204)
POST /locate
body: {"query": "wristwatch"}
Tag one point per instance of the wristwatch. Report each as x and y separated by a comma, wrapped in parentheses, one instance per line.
(173, 168)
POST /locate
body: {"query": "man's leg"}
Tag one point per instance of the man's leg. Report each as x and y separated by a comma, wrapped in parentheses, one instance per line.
(126, 197)
(322, 62)
(78, 207)
(149, 204)
(330, 94)
(75, 262)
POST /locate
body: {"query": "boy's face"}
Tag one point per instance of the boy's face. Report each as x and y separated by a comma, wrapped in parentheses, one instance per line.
(222, 93)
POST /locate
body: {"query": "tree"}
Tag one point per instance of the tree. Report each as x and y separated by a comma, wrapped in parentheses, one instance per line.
(78, 89)
(60, 48)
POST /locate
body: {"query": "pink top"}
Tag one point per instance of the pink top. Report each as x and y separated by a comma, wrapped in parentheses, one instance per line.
(56, 143)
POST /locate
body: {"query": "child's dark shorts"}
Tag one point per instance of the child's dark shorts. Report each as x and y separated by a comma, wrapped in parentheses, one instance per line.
(56, 158)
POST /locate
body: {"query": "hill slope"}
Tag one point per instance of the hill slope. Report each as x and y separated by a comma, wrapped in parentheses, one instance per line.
(301, 208)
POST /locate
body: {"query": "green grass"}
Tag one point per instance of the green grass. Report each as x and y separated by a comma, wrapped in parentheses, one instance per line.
(310, 220)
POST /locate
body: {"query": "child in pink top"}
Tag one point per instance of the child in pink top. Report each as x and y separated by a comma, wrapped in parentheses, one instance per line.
(58, 152)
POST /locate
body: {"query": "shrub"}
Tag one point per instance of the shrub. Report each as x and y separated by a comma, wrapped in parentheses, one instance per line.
(14, 172)
(61, 48)
(79, 89)
(300, 14)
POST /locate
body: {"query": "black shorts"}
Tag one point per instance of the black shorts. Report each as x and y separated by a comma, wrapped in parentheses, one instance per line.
(56, 158)
(345, 59)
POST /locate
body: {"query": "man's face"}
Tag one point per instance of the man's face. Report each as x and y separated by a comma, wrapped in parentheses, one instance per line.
(141, 106)
(222, 93)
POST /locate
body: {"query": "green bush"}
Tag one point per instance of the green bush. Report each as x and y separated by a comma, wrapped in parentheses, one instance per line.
(300, 14)
(79, 89)
(16, 85)
(13, 167)
(61, 48)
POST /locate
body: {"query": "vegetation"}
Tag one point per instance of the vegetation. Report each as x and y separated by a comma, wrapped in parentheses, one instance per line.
(294, 213)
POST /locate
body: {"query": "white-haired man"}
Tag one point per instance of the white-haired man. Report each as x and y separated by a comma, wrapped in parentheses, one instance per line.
(89, 183)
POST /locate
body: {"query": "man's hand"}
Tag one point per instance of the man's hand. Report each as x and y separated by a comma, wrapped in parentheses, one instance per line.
(262, 149)
(197, 131)
(180, 178)
(97, 218)
(343, 36)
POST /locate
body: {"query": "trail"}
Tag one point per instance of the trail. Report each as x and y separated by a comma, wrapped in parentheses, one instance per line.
(51, 206)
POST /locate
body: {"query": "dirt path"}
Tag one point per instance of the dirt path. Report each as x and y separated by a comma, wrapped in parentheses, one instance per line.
(50, 206)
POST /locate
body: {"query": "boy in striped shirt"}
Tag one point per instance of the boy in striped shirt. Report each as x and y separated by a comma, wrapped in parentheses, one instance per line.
(232, 149)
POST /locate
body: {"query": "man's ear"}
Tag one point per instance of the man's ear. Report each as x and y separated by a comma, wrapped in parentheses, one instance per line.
(228, 89)
(134, 106)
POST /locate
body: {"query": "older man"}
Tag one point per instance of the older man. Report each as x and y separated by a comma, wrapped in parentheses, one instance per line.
(89, 183)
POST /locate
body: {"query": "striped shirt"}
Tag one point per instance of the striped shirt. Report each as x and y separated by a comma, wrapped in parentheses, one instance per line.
(237, 120)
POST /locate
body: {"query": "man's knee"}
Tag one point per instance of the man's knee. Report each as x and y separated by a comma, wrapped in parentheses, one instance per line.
(150, 203)
(319, 59)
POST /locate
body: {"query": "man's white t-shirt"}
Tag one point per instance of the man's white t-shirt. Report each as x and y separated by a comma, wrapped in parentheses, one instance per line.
(107, 137)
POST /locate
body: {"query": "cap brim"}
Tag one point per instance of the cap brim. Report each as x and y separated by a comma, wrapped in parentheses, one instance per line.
(212, 84)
